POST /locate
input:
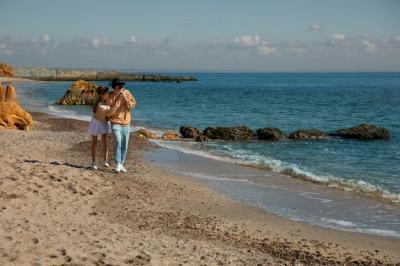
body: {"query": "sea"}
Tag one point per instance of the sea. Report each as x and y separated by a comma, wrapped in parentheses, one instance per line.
(367, 172)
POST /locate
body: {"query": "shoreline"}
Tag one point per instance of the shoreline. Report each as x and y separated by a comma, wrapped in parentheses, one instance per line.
(17, 80)
(282, 195)
(148, 216)
(342, 185)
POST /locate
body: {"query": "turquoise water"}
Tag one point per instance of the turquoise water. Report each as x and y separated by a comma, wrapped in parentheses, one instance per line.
(286, 101)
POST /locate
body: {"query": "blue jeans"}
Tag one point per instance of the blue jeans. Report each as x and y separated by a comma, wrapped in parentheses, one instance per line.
(121, 134)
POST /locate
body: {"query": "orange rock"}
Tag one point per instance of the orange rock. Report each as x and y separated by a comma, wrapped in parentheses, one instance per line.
(6, 70)
(144, 133)
(11, 96)
(2, 94)
(12, 116)
(170, 136)
(81, 92)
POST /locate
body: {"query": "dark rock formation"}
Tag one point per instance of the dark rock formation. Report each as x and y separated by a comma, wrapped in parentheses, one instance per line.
(270, 134)
(80, 93)
(201, 138)
(308, 133)
(55, 74)
(363, 132)
(189, 132)
(228, 133)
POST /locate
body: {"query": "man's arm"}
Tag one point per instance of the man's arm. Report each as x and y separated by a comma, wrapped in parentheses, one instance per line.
(129, 101)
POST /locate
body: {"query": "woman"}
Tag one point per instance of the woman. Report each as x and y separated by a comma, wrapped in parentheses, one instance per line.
(99, 126)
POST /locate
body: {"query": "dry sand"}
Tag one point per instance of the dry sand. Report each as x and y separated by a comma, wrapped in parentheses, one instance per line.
(54, 211)
(15, 80)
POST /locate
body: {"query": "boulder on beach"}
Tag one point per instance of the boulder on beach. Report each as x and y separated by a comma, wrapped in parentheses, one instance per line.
(144, 133)
(228, 133)
(308, 133)
(270, 134)
(81, 92)
(200, 138)
(12, 116)
(363, 132)
(6, 70)
(172, 136)
(189, 132)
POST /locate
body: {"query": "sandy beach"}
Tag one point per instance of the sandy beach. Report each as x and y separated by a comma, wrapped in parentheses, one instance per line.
(55, 211)
(15, 80)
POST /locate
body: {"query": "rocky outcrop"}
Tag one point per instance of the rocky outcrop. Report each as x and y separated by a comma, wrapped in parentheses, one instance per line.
(172, 136)
(80, 93)
(144, 133)
(309, 133)
(201, 138)
(270, 134)
(12, 116)
(189, 132)
(6, 70)
(55, 74)
(363, 132)
(228, 133)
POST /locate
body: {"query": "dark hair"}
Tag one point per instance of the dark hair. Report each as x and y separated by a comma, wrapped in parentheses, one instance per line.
(100, 90)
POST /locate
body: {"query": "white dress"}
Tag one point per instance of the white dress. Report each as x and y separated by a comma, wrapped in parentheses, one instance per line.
(96, 126)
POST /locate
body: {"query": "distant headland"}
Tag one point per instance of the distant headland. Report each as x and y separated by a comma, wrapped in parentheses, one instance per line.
(60, 74)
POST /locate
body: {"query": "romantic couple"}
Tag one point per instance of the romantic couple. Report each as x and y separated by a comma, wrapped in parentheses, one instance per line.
(114, 107)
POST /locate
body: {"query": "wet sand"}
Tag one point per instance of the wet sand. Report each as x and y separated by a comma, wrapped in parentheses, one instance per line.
(53, 211)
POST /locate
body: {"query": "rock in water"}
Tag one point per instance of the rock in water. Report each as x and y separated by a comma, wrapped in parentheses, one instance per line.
(170, 136)
(363, 132)
(6, 70)
(81, 92)
(144, 133)
(201, 138)
(270, 134)
(12, 116)
(308, 133)
(189, 132)
(228, 133)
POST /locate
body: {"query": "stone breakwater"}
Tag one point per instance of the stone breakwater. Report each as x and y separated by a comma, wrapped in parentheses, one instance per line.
(55, 74)
(360, 132)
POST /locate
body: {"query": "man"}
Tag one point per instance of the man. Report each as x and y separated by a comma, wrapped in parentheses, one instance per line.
(121, 103)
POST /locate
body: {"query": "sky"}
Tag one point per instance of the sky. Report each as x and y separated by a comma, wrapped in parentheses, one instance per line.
(206, 35)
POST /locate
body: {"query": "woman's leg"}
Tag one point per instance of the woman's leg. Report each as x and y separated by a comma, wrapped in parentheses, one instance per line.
(94, 145)
(105, 147)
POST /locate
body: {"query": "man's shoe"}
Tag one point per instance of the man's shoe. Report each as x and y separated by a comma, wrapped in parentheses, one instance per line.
(118, 168)
(106, 165)
(123, 169)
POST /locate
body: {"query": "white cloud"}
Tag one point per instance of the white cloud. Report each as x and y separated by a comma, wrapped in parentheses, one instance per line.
(297, 50)
(337, 38)
(8, 52)
(99, 42)
(132, 39)
(45, 38)
(254, 44)
(397, 38)
(315, 27)
(266, 50)
(369, 46)
(247, 40)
